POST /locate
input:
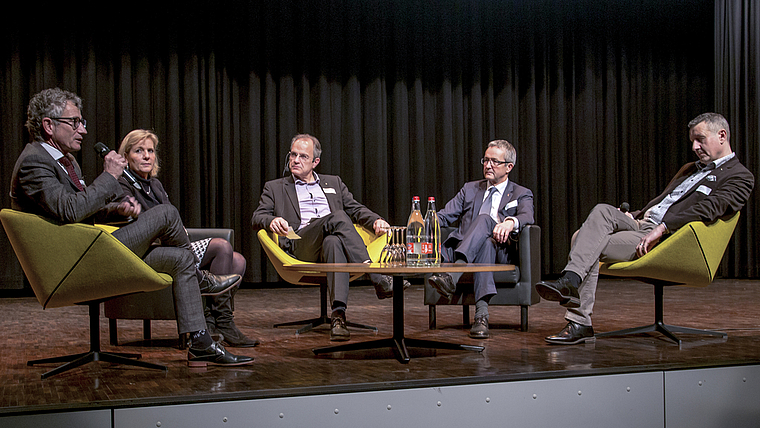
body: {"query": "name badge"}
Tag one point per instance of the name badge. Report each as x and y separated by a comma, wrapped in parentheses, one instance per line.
(511, 204)
(329, 190)
(704, 189)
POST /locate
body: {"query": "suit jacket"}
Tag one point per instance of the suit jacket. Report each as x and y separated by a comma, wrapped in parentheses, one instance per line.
(722, 192)
(41, 186)
(279, 199)
(516, 201)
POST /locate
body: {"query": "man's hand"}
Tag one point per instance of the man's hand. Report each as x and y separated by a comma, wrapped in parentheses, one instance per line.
(129, 207)
(502, 230)
(650, 240)
(279, 226)
(381, 226)
(114, 164)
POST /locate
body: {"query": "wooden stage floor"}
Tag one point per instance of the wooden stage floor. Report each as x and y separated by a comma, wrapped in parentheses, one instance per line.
(285, 365)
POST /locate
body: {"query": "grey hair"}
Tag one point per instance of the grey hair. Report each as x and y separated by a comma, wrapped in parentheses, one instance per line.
(714, 121)
(48, 103)
(315, 142)
(511, 154)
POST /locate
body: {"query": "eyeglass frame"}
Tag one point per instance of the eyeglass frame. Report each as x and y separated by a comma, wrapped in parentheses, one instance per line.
(303, 157)
(493, 162)
(77, 121)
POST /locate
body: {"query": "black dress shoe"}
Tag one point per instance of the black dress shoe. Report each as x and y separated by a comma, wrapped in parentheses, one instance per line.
(443, 284)
(479, 329)
(233, 337)
(384, 288)
(561, 291)
(215, 354)
(338, 330)
(572, 334)
(214, 285)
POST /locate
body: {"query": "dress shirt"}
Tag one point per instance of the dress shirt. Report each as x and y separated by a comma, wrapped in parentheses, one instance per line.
(57, 155)
(311, 200)
(496, 200)
(657, 212)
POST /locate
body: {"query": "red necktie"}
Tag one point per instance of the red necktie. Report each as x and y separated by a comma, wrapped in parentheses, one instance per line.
(72, 172)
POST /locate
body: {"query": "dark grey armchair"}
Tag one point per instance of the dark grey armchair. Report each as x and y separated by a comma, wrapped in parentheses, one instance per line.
(516, 288)
(155, 305)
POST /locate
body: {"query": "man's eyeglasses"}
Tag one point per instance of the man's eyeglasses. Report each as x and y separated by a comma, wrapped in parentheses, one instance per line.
(75, 121)
(303, 157)
(493, 162)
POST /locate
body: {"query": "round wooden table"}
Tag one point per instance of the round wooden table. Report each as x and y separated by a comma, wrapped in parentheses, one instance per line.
(398, 342)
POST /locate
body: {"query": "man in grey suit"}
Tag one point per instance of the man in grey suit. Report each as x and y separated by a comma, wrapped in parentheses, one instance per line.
(490, 213)
(47, 181)
(322, 212)
(715, 186)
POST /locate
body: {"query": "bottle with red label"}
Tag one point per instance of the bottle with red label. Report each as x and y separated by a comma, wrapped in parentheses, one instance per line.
(432, 248)
(415, 236)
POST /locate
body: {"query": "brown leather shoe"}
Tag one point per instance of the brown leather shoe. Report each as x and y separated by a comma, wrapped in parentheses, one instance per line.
(572, 334)
(338, 330)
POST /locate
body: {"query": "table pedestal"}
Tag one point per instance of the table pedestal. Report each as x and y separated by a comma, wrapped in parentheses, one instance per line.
(398, 343)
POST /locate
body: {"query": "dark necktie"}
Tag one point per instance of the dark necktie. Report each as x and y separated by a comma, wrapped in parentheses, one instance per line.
(486, 207)
(72, 172)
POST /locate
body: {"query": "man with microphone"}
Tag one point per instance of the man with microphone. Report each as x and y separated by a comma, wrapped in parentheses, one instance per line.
(47, 181)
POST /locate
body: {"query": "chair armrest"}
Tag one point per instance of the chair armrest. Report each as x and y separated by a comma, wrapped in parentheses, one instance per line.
(196, 234)
(529, 247)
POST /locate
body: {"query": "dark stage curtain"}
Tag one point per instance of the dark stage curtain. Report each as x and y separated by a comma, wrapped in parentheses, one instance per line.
(403, 94)
(737, 96)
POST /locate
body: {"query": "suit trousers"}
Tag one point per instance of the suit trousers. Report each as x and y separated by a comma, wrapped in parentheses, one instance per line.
(173, 257)
(478, 246)
(331, 239)
(607, 235)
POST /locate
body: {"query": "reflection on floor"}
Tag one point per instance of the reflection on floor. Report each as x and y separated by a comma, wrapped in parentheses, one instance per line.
(286, 366)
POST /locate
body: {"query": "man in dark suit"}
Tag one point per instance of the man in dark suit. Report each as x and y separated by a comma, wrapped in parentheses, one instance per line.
(322, 212)
(490, 212)
(47, 181)
(715, 186)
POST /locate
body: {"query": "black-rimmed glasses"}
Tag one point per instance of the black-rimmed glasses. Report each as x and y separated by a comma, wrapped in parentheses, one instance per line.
(303, 157)
(493, 162)
(75, 121)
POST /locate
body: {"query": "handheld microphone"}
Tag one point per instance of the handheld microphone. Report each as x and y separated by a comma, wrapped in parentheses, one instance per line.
(625, 207)
(102, 150)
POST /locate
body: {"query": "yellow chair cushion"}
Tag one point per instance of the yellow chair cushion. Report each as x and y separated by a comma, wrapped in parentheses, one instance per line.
(690, 256)
(68, 264)
(279, 258)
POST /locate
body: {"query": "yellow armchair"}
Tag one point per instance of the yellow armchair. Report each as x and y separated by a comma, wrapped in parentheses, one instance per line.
(279, 259)
(78, 264)
(689, 257)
